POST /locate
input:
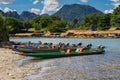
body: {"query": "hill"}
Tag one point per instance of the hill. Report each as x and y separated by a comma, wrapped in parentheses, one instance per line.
(75, 11)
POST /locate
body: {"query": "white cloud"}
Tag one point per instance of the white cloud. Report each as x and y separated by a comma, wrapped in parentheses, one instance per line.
(6, 9)
(115, 3)
(50, 6)
(35, 1)
(35, 10)
(114, 0)
(84, 0)
(6, 1)
(108, 11)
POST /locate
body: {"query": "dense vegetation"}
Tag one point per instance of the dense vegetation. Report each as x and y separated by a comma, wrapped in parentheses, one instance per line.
(3, 30)
(101, 21)
(94, 21)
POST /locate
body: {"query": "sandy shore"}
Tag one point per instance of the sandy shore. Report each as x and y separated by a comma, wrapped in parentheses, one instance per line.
(9, 70)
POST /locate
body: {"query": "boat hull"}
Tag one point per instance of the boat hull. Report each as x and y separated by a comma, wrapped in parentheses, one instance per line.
(56, 54)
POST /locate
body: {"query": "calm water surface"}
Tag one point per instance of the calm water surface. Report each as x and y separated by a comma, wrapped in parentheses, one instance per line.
(93, 67)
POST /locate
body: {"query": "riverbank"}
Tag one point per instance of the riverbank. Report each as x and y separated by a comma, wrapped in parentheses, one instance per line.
(10, 70)
(73, 34)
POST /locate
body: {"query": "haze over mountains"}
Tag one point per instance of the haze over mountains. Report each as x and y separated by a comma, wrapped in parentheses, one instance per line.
(67, 13)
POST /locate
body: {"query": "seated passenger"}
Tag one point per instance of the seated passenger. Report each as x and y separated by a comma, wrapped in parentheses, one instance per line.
(68, 51)
(79, 49)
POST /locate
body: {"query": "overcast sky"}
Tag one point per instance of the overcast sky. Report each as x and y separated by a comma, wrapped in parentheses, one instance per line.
(51, 6)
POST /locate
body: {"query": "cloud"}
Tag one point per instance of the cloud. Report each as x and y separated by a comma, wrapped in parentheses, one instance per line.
(114, 0)
(35, 10)
(6, 1)
(84, 0)
(35, 1)
(115, 3)
(6, 9)
(108, 11)
(50, 6)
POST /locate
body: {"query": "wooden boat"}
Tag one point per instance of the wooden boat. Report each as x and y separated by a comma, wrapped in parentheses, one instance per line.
(60, 53)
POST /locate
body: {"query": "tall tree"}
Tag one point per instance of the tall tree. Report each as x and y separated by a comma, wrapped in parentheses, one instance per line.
(91, 21)
(15, 24)
(117, 10)
(115, 18)
(115, 21)
(58, 26)
(4, 36)
(75, 23)
(27, 24)
(41, 22)
(104, 22)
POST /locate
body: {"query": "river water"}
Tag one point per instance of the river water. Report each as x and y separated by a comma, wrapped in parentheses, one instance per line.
(90, 67)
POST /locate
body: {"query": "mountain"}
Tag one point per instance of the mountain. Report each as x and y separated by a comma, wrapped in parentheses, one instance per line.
(26, 15)
(75, 11)
(12, 14)
(1, 12)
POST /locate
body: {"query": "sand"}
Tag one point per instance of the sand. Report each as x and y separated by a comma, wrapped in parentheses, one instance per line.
(9, 70)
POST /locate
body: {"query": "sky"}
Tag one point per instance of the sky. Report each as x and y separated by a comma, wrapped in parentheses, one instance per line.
(51, 6)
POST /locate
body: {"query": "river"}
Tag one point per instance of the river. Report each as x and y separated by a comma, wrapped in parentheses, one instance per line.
(90, 67)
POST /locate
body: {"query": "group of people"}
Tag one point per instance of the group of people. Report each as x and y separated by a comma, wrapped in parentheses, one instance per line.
(64, 48)
(79, 48)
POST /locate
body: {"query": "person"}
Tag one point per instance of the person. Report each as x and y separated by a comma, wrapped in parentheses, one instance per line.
(68, 51)
(79, 49)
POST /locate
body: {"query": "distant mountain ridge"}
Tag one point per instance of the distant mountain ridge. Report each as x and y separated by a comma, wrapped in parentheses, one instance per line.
(25, 15)
(67, 13)
(75, 11)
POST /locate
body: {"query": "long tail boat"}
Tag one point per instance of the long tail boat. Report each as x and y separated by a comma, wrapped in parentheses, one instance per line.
(55, 53)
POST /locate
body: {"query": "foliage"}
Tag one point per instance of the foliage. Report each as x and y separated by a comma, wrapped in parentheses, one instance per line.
(27, 24)
(104, 22)
(14, 25)
(4, 33)
(117, 10)
(115, 18)
(115, 21)
(58, 26)
(91, 21)
(41, 22)
(49, 23)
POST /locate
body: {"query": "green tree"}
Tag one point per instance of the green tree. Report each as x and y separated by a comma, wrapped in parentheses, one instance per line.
(55, 17)
(41, 22)
(117, 10)
(58, 26)
(104, 22)
(91, 21)
(14, 24)
(115, 18)
(74, 23)
(115, 21)
(27, 24)
(4, 36)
